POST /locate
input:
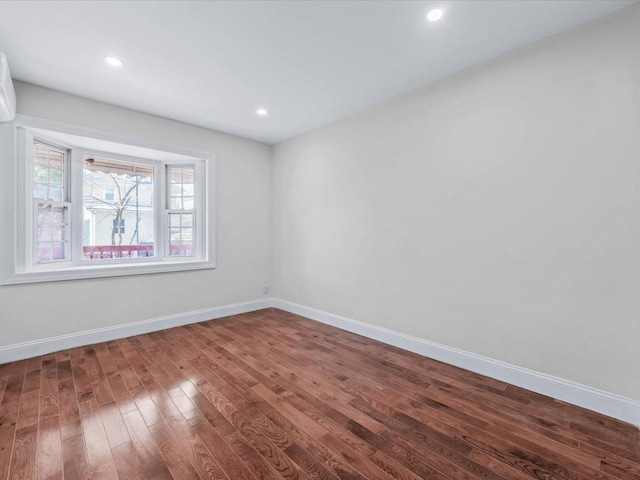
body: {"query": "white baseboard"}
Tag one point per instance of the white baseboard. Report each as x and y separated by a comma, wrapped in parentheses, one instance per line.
(611, 404)
(600, 401)
(11, 353)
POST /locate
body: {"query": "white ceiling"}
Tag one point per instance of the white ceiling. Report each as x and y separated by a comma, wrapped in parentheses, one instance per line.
(308, 62)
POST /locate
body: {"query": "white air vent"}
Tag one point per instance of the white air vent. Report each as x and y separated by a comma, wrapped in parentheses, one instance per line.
(7, 93)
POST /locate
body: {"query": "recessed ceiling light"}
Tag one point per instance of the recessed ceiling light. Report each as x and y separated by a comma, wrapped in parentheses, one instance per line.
(262, 112)
(113, 61)
(435, 14)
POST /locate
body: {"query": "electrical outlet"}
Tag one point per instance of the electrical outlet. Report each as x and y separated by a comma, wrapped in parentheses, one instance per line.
(265, 290)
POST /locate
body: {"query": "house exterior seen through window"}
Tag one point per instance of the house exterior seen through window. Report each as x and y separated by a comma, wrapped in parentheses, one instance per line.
(117, 194)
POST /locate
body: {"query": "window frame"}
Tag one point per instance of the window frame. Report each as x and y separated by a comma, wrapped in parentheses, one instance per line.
(31, 214)
(195, 211)
(77, 158)
(17, 246)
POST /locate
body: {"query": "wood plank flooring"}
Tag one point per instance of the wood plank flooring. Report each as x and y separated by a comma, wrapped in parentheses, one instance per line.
(270, 395)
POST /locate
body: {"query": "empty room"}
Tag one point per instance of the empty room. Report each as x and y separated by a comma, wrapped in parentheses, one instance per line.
(320, 240)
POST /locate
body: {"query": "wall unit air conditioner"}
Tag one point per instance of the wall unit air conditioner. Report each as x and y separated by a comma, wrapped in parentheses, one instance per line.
(7, 93)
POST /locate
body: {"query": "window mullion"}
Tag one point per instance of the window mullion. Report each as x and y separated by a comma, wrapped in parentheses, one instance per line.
(199, 222)
(75, 192)
(26, 204)
(161, 219)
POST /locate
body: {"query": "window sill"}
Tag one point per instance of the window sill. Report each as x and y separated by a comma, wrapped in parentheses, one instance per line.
(104, 271)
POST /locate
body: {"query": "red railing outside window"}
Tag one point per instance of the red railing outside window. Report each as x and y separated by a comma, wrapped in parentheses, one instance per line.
(99, 252)
(96, 252)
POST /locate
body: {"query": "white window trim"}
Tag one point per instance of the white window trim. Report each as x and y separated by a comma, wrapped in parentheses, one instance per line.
(198, 217)
(15, 241)
(29, 214)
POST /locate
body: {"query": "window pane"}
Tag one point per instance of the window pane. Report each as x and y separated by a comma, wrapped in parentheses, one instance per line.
(44, 253)
(187, 220)
(186, 234)
(180, 234)
(58, 251)
(176, 190)
(55, 194)
(51, 233)
(57, 216)
(40, 174)
(57, 234)
(181, 188)
(175, 175)
(40, 192)
(174, 220)
(48, 173)
(44, 234)
(118, 209)
(177, 249)
(187, 189)
(55, 176)
(187, 175)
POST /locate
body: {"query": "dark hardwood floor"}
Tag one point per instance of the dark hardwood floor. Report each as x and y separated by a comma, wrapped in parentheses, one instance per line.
(271, 395)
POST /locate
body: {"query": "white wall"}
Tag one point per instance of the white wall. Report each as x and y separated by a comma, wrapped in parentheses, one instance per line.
(497, 212)
(243, 224)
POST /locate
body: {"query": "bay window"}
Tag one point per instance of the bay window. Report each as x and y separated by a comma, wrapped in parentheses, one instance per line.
(88, 206)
